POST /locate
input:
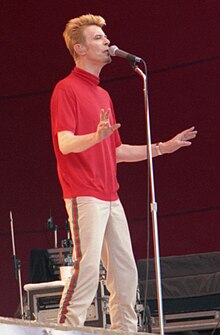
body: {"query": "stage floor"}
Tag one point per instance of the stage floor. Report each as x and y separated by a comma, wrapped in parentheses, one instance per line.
(197, 322)
(10, 326)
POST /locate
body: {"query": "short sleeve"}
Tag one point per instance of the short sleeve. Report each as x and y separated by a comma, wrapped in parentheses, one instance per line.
(63, 110)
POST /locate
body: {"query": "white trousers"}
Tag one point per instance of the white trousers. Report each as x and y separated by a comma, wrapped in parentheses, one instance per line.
(100, 231)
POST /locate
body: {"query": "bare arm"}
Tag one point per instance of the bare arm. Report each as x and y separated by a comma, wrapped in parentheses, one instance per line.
(135, 153)
(68, 142)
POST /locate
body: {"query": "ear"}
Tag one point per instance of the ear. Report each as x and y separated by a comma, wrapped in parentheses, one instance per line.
(80, 49)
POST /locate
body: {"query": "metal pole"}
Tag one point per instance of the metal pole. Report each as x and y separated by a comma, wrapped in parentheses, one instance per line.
(17, 266)
(153, 205)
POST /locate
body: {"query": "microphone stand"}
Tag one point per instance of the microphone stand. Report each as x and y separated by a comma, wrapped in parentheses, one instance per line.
(67, 227)
(153, 204)
(53, 227)
(17, 266)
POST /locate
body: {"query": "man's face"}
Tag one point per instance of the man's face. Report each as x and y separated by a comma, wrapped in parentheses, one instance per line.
(96, 45)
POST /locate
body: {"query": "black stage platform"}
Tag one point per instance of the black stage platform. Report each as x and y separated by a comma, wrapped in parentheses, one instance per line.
(190, 289)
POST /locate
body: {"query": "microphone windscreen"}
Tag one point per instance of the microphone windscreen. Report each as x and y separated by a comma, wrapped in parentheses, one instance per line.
(112, 50)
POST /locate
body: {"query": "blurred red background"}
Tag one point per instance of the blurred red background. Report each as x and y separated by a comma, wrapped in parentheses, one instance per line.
(179, 40)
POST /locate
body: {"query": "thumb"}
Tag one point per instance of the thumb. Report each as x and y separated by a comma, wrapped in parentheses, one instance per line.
(116, 126)
(185, 143)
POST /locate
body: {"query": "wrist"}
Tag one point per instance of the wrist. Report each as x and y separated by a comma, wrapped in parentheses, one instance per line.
(96, 137)
(158, 149)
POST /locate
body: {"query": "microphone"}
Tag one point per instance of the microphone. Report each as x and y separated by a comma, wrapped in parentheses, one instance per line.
(115, 51)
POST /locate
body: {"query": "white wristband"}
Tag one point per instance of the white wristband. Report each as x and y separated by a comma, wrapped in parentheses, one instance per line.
(158, 149)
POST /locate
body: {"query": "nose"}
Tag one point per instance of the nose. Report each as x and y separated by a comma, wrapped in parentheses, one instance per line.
(106, 41)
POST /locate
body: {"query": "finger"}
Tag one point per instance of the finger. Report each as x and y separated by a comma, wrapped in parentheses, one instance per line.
(193, 135)
(116, 126)
(186, 134)
(190, 129)
(187, 144)
(107, 114)
(102, 114)
(189, 136)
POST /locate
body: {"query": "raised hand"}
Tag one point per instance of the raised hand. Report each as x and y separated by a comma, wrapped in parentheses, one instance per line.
(104, 128)
(182, 139)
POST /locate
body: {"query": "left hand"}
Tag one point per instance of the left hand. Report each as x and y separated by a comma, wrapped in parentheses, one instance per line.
(180, 140)
(105, 129)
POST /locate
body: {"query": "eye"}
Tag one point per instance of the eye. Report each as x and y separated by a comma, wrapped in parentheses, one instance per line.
(97, 37)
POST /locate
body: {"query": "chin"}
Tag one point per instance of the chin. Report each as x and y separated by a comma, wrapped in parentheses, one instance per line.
(109, 60)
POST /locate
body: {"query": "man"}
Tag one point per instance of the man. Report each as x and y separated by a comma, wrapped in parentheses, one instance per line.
(88, 147)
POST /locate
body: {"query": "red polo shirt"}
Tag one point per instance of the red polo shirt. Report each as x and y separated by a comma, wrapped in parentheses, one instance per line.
(75, 106)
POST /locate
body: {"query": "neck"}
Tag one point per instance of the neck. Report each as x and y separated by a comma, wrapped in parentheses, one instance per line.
(94, 69)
